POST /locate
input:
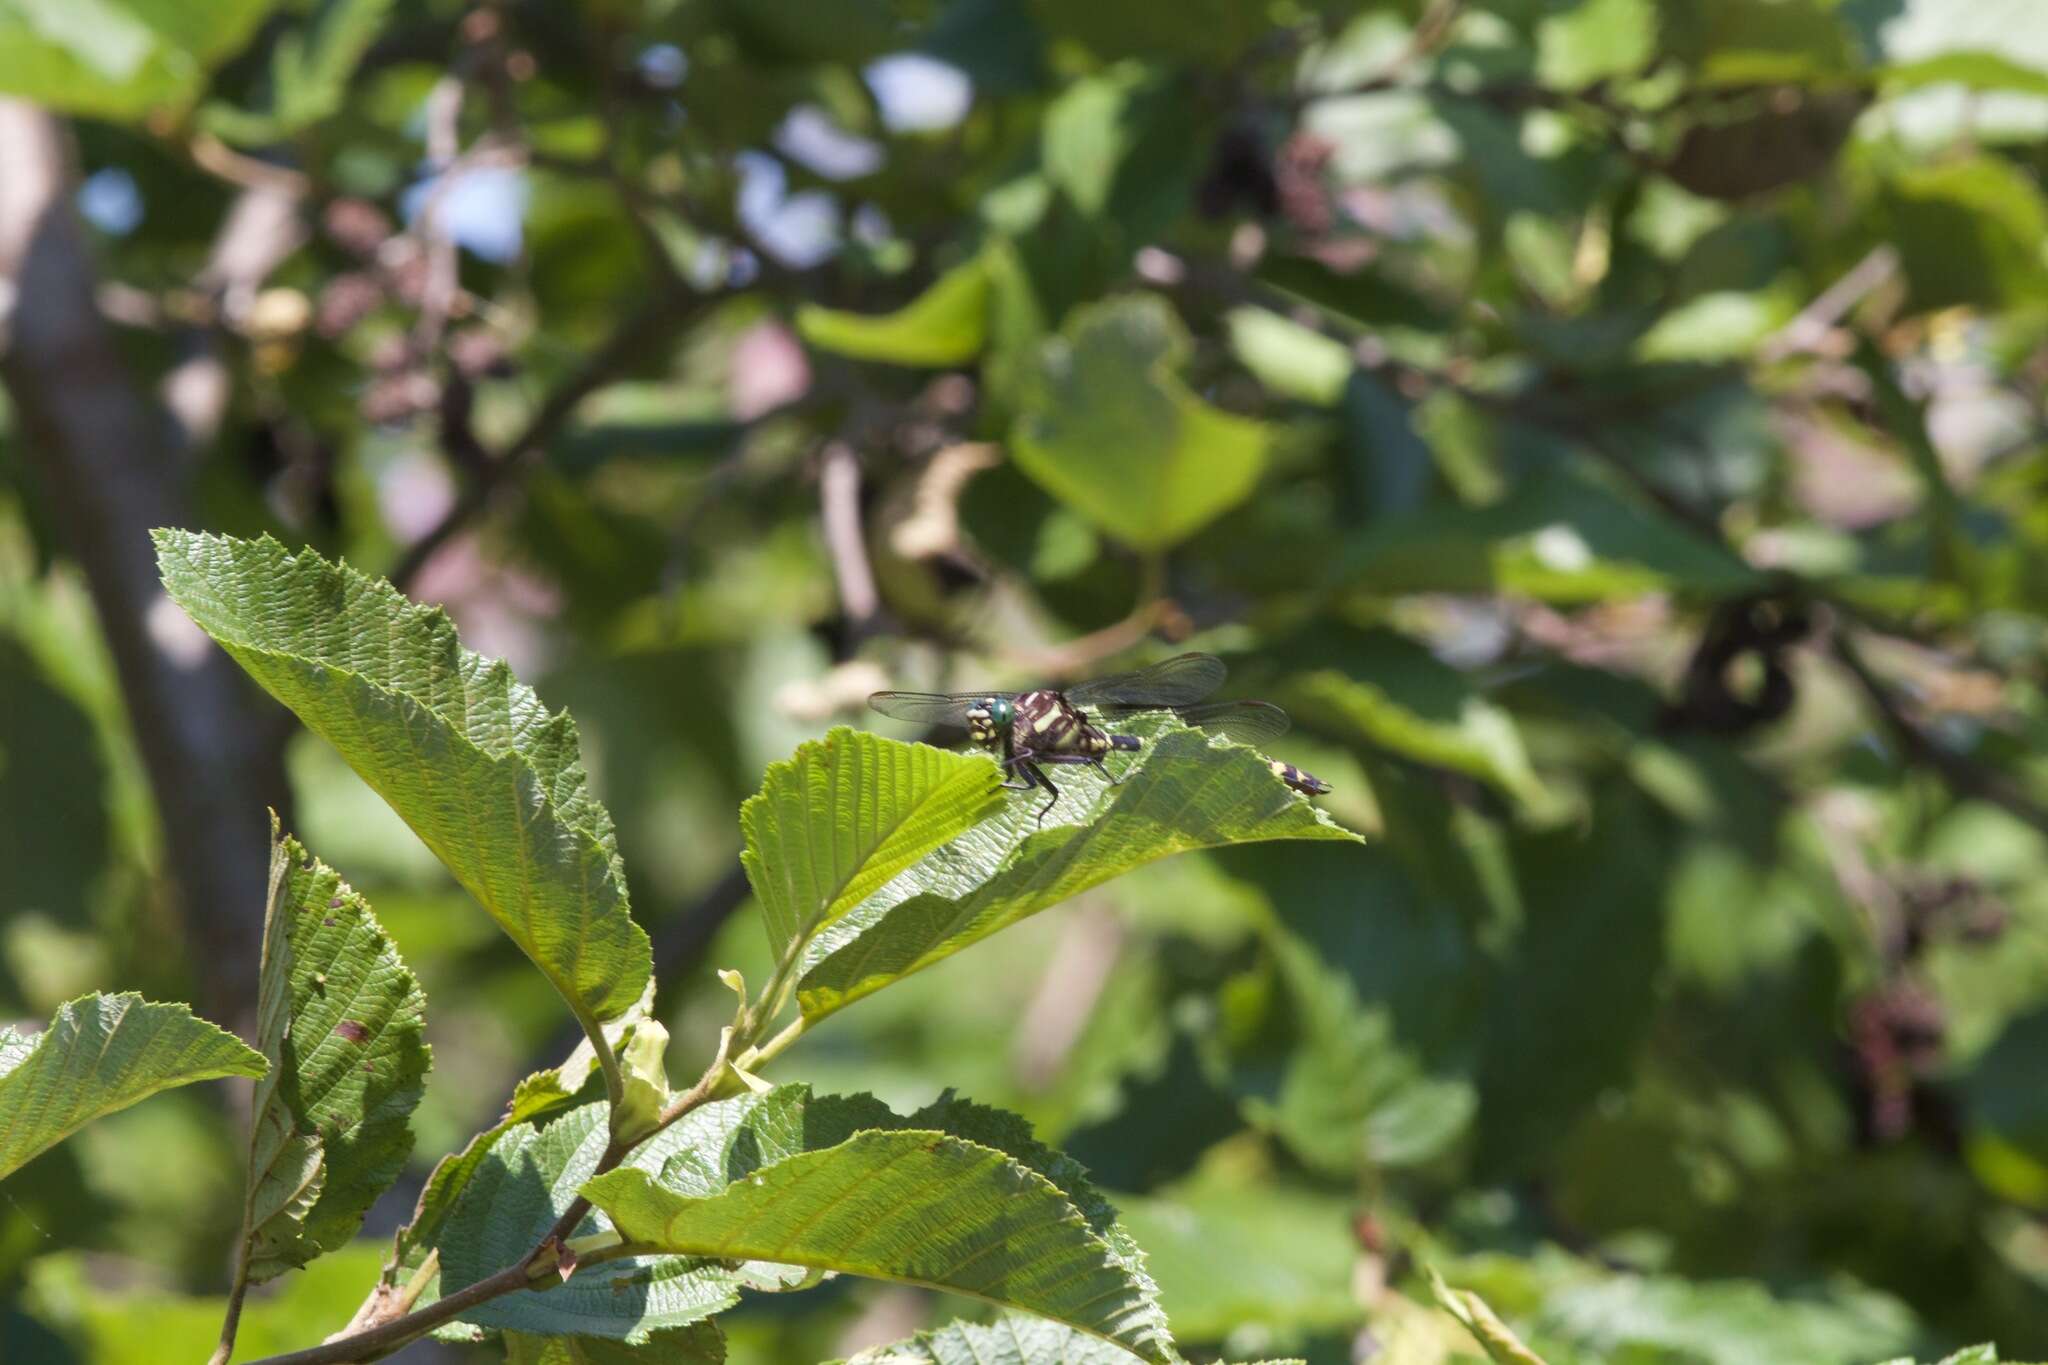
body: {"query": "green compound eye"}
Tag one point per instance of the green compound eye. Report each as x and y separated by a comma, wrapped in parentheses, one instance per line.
(1000, 712)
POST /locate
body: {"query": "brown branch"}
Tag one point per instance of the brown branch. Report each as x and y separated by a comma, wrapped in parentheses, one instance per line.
(107, 460)
(389, 1336)
(1964, 775)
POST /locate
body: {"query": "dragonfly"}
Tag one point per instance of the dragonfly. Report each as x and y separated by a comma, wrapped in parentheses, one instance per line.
(1052, 727)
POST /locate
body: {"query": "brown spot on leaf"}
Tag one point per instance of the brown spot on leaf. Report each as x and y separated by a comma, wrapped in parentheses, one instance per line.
(334, 904)
(352, 1030)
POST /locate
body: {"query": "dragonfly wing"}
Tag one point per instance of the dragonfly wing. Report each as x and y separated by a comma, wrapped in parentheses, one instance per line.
(1180, 681)
(927, 708)
(1247, 722)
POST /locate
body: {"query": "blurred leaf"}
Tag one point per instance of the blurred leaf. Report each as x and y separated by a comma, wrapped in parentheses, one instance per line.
(1969, 232)
(1568, 1011)
(1727, 1322)
(946, 325)
(118, 59)
(310, 68)
(845, 814)
(1987, 71)
(1117, 436)
(466, 754)
(1595, 40)
(1230, 1257)
(102, 1053)
(341, 1021)
(131, 1325)
(1187, 792)
(1560, 537)
(1288, 358)
(935, 1204)
(1386, 691)
(1351, 1098)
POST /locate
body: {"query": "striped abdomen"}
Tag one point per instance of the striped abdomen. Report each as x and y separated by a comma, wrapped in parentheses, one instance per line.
(1308, 784)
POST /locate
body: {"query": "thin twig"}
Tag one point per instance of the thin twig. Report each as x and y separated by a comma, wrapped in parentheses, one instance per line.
(1813, 322)
(1964, 776)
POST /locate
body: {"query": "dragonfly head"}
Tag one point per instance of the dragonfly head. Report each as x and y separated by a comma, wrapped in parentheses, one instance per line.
(988, 718)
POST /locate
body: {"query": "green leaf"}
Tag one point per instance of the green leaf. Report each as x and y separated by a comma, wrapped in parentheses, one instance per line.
(919, 1207)
(1560, 537)
(102, 1053)
(846, 813)
(1351, 1097)
(1392, 693)
(342, 1022)
(1594, 41)
(1968, 231)
(488, 778)
(945, 325)
(1115, 434)
(1231, 1257)
(309, 74)
(1987, 71)
(1188, 790)
(118, 58)
(1012, 1339)
(513, 1196)
(1288, 358)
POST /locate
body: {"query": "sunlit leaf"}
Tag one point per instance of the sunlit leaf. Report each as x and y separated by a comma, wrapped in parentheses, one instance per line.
(846, 813)
(118, 58)
(919, 1206)
(1187, 791)
(341, 1020)
(1287, 1272)
(309, 73)
(490, 780)
(945, 325)
(102, 1053)
(1116, 435)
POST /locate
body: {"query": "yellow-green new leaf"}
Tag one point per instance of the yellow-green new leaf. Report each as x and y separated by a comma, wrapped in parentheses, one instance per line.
(945, 325)
(914, 1206)
(488, 778)
(844, 814)
(103, 1053)
(342, 1021)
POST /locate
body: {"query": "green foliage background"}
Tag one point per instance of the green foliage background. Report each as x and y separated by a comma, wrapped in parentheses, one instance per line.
(1614, 429)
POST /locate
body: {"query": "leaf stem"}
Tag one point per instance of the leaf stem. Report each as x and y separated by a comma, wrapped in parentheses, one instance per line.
(768, 1051)
(233, 1320)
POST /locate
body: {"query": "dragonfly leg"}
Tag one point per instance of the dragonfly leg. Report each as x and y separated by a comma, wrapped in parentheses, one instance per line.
(1037, 774)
